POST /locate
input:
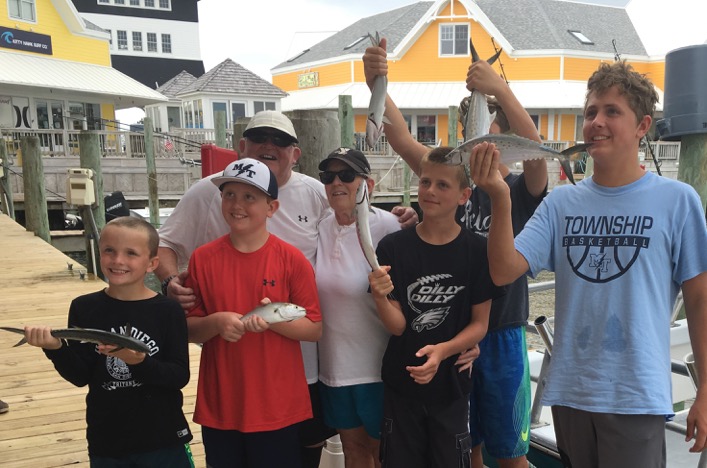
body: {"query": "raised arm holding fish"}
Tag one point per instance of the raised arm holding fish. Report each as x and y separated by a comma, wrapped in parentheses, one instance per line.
(503, 345)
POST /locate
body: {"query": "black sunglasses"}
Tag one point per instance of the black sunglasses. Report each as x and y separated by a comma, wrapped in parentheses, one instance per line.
(346, 176)
(277, 140)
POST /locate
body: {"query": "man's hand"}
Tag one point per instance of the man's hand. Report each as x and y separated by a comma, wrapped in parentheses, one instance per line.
(466, 359)
(177, 291)
(482, 77)
(425, 373)
(483, 165)
(407, 216)
(375, 62)
(42, 337)
(697, 423)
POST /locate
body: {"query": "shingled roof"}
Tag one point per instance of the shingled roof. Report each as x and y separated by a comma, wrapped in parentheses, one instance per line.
(524, 25)
(394, 25)
(172, 87)
(545, 25)
(228, 77)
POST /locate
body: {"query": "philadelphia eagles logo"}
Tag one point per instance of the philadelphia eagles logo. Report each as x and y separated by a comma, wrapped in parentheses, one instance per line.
(603, 248)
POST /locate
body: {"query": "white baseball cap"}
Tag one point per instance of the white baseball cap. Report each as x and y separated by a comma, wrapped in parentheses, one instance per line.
(249, 171)
(271, 119)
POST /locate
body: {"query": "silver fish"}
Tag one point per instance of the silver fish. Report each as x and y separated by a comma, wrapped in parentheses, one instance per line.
(478, 119)
(515, 149)
(363, 228)
(276, 312)
(376, 108)
(92, 336)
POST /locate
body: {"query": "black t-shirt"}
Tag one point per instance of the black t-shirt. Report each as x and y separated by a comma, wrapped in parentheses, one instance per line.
(436, 286)
(136, 408)
(511, 310)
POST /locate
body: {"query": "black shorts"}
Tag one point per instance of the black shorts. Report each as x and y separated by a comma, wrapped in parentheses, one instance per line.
(314, 431)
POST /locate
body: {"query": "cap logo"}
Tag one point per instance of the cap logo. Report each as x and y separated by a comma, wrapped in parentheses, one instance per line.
(244, 169)
(342, 151)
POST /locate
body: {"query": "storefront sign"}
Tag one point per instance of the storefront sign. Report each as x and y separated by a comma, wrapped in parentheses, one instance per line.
(24, 40)
(308, 80)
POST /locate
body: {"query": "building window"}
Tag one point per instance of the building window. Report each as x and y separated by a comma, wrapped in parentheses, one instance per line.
(134, 2)
(263, 105)
(453, 39)
(122, 40)
(164, 4)
(150, 3)
(23, 9)
(427, 129)
(119, 2)
(103, 1)
(137, 41)
(166, 43)
(237, 111)
(151, 42)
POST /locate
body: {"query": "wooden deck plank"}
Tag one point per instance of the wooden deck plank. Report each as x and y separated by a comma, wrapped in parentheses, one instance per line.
(45, 427)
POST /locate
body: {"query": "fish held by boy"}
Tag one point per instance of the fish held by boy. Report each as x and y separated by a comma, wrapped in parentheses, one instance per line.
(515, 149)
(376, 107)
(91, 335)
(363, 228)
(478, 119)
(276, 312)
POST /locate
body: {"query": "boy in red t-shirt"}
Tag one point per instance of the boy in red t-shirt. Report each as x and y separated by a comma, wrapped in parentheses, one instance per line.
(252, 389)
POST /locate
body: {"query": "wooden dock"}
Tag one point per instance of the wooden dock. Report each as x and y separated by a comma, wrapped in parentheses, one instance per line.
(45, 426)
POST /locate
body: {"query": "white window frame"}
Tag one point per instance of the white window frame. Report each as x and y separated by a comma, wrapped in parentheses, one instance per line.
(444, 30)
(166, 44)
(137, 44)
(18, 4)
(161, 4)
(152, 4)
(151, 45)
(265, 105)
(122, 42)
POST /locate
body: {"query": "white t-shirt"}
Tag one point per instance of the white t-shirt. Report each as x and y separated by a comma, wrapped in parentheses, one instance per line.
(353, 337)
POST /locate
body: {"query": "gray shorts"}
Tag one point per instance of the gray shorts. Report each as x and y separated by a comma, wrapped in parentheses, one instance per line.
(589, 440)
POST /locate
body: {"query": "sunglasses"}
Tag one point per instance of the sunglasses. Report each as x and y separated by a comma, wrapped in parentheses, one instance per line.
(346, 176)
(277, 140)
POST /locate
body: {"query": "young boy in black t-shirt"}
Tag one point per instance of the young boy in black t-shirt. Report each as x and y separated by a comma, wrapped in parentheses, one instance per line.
(437, 275)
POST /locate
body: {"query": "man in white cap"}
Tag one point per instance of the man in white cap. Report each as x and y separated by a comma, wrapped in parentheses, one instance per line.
(269, 137)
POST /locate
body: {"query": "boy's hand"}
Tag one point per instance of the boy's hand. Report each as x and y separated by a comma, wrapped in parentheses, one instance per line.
(483, 165)
(482, 77)
(255, 324)
(380, 281)
(407, 216)
(41, 337)
(375, 62)
(466, 359)
(128, 356)
(230, 326)
(423, 374)
(177, 291)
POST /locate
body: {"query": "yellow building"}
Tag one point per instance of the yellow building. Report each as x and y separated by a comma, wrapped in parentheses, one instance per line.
(550, 48)
(55, 71)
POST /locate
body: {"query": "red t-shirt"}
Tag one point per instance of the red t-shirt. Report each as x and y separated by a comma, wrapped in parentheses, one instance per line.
(257, 383)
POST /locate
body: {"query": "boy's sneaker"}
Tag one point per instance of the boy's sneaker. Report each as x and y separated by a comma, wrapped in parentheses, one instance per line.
(4, 407)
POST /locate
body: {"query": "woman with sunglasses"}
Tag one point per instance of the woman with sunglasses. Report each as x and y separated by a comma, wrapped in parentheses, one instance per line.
(353, 337)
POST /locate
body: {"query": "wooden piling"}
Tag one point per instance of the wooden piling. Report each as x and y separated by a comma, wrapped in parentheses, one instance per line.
(220, 128)
(238, 128)
(319, 133)
(36, 215)
(8, 206)
(693, 163)
(153, 197)
(346, 121)
(94, 216)
(453, 119)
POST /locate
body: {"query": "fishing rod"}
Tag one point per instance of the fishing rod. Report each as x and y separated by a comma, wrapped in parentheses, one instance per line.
(500, 64)
(644, 140)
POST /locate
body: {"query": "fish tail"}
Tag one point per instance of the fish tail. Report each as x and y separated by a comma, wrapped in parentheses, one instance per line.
(575, 149)
(21, 342)
(567, 167)
(494, 57)
(474, 54)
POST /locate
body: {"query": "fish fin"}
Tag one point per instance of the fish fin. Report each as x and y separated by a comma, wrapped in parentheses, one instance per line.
(567, 167)
(494, 57)
(575, 149)
(20, 343)
(387, 120)
(474, 54)
(117, 349)
(13, 330)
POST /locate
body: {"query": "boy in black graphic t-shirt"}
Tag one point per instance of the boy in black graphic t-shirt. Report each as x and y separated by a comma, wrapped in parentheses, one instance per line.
(134, 404)
(440, 298)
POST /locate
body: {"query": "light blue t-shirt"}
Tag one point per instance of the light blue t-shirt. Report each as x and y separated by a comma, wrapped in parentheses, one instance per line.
(619, 255)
